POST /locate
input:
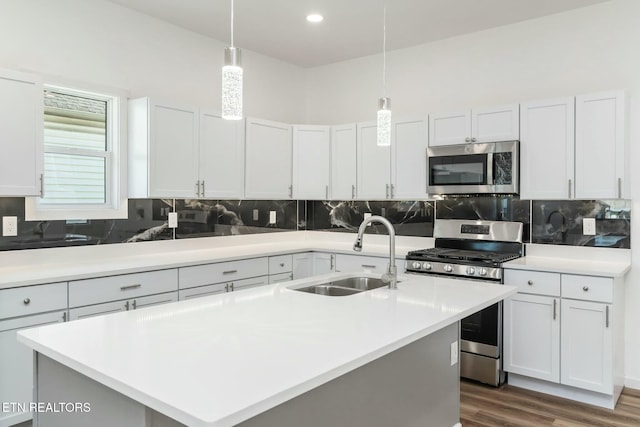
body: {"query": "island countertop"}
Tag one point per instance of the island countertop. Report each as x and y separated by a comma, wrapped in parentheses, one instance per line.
(220, 360)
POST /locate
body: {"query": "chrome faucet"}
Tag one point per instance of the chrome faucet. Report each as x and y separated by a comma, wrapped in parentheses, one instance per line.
(391, 276)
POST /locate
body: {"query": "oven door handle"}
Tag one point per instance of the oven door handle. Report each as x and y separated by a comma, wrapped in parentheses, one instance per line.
(490, 178)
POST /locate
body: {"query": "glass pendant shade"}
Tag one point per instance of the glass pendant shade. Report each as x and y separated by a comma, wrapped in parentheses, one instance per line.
(384, 122)
(232, 85)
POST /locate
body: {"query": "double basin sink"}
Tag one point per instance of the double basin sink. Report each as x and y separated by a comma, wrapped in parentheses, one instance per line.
(343, 287)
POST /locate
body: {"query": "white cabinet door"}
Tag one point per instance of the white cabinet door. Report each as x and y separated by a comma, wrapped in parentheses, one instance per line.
(173, 150)
(281, 277)
(21, 133)
(323, 263)
(600, 145)
(311, 162)
(150, 300)
(253, 282)
(587, 343)
(343, 162)
(202, 291)
(221, 167)
(449, 128)
(410, 138)
(493, 124)
(302, 265)
(547, 149)
(532, 336)
(268, 160)
(97, 309)
(373, 166)
(16, 364)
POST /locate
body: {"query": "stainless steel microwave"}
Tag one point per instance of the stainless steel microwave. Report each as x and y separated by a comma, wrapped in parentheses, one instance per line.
(483, 168)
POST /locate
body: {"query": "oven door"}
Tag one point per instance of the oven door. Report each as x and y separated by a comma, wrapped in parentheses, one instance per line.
(481, 333)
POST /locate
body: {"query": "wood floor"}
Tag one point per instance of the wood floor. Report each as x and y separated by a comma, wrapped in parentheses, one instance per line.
(482, 406)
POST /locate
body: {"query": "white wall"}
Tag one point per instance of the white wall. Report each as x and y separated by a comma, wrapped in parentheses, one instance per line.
(582, 51)
(98, 42)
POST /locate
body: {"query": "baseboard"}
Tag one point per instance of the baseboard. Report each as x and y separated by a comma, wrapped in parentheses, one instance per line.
(633, 383)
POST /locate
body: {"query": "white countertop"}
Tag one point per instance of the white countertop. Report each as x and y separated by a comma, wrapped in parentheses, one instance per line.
(574, 260)
(37, 266)
(219, 360)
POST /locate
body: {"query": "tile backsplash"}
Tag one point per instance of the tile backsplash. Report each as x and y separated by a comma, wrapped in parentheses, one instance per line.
(557, 222)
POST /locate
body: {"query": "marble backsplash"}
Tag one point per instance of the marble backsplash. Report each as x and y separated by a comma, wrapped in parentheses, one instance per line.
(557, 222)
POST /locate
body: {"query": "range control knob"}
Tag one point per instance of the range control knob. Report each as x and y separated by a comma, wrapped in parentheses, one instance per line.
(448, 268)
(483, 271)
(416, 265)
(471, 271)
(426, 266)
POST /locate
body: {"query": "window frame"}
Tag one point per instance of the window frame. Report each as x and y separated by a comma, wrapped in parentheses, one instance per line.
(116, 203)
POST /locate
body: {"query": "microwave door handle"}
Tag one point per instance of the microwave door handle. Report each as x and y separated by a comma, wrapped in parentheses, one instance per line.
(490, 169)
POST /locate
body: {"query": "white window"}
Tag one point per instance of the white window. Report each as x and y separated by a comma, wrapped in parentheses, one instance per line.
(84, 174)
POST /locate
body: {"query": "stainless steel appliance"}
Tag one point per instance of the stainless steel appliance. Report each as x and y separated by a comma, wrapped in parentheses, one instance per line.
(483, 168)
(474, 250)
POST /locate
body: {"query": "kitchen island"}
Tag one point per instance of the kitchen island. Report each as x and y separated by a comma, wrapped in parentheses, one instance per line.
(268, 356)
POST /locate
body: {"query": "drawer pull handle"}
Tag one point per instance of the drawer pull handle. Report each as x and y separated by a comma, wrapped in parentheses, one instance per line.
(368, 266)
(282, 264)
(26, 301)
(554, 309)
(130, 287)
(607, 316)
(585, 288)
(134, 304)
(530, 283)
(229, 271)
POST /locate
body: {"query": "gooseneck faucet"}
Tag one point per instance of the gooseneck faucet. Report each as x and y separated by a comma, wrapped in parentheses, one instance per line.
(391, 276)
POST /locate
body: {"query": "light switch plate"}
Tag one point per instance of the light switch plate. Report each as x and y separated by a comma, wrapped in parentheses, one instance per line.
(9, 225)
(589, 226)
(173, 219)
(367, 215)
(272, 217)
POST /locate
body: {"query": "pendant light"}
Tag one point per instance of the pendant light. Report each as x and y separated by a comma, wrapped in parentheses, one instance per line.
(384, 103)
(232, 80)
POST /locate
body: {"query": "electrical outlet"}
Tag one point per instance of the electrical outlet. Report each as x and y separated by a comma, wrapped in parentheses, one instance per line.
(255, 214)
(173, 219)
(454, 353)
(9, 225)
(589, 226)
(383, 212)
(367, 215)
(272, 217)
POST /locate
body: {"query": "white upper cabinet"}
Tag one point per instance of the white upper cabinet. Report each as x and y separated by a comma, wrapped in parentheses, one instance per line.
(409, 158)
(600, 146)
(221, 158)
(491, 124)
(373, 166)
(21, 133)
(547, 149)
(163, 149)
(343, 162)
(268, 160)
(311, 162)
(574, 148)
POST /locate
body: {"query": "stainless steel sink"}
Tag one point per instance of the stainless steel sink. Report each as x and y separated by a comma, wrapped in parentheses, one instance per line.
(343, 287)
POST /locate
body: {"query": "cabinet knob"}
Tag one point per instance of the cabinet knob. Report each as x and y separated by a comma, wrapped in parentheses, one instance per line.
(585, 288)
(473, 140)
(26, 301)
(282, 264)
(530, 282)
(467, 139)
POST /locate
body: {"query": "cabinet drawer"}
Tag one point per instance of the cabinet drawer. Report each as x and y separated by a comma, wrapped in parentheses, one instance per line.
(126, 286)
(282, 277)
(533, 282)
(360, 264)
(280, 264)
(587, 288)
(208, 274)
(249, 283)
(202, 291)
(28, 300)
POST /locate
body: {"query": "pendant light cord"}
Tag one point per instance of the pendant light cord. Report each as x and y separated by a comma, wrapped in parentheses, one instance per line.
(384, 51)
(231, 23)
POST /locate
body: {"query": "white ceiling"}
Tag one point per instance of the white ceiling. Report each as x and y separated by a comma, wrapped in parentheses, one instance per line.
(351, 28)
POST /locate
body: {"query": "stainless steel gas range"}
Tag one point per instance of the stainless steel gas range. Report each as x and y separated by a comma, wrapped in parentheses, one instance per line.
(474, 250)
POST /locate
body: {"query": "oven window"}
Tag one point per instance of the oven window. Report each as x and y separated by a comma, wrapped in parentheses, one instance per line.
(458, 170)
(482, 327)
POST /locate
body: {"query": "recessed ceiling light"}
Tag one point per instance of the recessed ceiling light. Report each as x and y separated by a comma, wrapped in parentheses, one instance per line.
(315, 17)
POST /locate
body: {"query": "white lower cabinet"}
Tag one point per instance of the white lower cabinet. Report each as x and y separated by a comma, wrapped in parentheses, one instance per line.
(536, 352)
(587, 345)
(282, 277)
(323, 263)
(564, 335)
(364, 264)
(122, 305)
(307, 264)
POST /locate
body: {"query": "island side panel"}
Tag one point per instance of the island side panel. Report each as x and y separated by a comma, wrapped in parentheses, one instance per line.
(414, 386)
(56, 383)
